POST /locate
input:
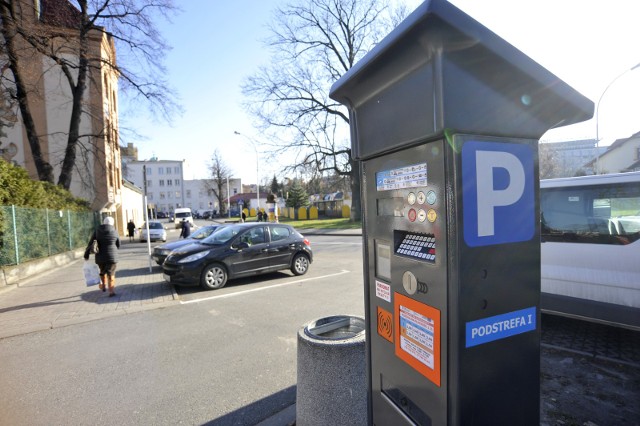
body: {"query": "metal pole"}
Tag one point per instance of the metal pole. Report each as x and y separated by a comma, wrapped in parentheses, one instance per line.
(597, 169)
(15, 233)
(253, 144)
(69, 229)
(146, 222)
(228, 199)
(46, 212)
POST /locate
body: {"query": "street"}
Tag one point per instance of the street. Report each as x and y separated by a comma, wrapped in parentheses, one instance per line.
(228, 357)
(191, 363)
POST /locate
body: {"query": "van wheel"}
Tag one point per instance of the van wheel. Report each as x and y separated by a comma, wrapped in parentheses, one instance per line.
(213, 277)
(300, 264)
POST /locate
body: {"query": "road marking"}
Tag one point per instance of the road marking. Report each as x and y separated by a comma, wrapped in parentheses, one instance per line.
(314, 243)
(222, 296)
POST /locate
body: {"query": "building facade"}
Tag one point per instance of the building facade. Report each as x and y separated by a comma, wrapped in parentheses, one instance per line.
(162, 181)
(621, 156)
(96, 173)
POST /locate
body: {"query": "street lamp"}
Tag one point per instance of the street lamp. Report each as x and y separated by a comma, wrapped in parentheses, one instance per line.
(253, 144)
(598, 111)
(229, 199)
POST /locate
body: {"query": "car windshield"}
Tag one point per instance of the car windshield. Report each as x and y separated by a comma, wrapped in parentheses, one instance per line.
(203, 233)
(153, 225)
(183, 214)
(223, 235)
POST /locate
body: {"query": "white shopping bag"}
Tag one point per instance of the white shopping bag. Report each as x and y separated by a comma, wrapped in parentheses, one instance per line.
(91, 273)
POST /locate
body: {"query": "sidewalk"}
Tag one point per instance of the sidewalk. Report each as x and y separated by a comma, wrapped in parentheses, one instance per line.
(60, 297)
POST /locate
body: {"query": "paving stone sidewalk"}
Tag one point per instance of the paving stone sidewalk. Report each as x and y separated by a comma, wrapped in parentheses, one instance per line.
(60, 297)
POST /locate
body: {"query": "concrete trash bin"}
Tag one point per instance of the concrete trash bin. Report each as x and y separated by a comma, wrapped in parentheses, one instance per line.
(331, 386)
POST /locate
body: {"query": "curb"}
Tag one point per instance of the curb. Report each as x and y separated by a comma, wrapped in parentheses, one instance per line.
(286, 417)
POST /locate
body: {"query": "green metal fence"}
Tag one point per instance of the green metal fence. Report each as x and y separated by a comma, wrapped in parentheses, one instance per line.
(27, 233)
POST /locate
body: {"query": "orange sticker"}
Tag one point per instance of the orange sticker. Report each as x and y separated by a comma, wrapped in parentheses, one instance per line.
(385, 324)
(417, 336)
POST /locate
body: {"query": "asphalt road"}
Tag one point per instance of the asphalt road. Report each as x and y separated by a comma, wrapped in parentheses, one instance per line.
(228, 357)
(225, 360)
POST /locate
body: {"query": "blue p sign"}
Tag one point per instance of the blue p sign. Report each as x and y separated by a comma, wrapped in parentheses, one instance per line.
(497, 193)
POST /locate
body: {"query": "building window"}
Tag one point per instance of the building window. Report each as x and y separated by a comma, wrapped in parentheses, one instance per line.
(161, 182)
(177, 182)
(188, 193)
(177, 194)
(235, 191)
(176, 170)
(149, 184)
(150, 196)
(160, 171)
(169, 182)
(148, 170)
(168, 170)
(169, 194)
(162, 195)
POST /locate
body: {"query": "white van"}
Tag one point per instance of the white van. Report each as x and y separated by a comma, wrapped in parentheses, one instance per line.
(591, 247)
(180, 214)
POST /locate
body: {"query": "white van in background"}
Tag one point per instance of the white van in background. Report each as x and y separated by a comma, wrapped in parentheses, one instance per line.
(591, 247)
(180, 214)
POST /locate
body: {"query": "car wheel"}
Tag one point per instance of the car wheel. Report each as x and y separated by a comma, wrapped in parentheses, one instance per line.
(213, 277)
(300, 264)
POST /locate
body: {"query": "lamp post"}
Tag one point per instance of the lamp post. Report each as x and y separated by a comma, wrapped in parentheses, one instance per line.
(228, 199)
(597, 170)
(253, 144)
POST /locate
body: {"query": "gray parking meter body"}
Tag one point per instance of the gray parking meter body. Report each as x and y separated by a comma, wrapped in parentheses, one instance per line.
(445, 118)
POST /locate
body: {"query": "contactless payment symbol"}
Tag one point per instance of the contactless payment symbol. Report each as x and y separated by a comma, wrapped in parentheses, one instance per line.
(385, 324)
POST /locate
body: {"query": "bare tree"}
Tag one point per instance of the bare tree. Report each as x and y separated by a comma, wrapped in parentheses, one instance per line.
(66, 34)
(220, 173)
(314, 42)
(550, 167)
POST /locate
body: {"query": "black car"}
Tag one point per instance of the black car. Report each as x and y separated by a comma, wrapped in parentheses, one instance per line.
(239, 251)
(161, 252)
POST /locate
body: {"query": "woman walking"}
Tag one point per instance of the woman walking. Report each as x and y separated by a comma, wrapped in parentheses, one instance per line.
(107, 255)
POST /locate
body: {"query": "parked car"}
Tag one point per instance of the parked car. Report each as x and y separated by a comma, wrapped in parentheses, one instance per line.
(161, 215)
(238, 251)
(156, 232)
(161, 252)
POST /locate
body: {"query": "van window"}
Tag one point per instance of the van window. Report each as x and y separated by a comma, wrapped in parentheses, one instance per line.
(603, 214)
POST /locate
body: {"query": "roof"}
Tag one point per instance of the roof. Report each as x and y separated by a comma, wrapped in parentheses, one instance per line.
(615, 145)
(245, 197)
(60, 13)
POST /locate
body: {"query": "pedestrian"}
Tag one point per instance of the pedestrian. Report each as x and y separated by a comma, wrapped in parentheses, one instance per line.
(131, 228)
(186, 229)
(107, 255)
(260, 216)
(243, 216)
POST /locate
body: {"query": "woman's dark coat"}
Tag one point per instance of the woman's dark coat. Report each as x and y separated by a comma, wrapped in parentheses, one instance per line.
(108, 244)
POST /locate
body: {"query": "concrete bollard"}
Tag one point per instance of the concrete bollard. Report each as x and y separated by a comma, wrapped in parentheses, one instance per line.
(331, 387)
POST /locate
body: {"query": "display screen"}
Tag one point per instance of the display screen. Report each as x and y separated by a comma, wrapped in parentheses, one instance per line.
(390, 206)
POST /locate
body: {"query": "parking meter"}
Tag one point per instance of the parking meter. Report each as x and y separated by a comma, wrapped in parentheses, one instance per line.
(445, 118)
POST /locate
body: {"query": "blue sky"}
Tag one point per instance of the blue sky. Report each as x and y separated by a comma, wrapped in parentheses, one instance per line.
(217, 43)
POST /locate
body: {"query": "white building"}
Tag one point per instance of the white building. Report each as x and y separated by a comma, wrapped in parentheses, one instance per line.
(164, 184)
(200, 197)
(166, 188)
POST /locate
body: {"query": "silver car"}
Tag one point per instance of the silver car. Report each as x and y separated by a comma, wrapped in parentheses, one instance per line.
(156, 232)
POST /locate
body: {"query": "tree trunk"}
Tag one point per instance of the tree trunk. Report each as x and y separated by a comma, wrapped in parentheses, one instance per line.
(66, 173)
(43, 168)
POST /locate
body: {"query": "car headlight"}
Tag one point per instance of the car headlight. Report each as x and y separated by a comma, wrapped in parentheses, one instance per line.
(162, 252)
(194, 257)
